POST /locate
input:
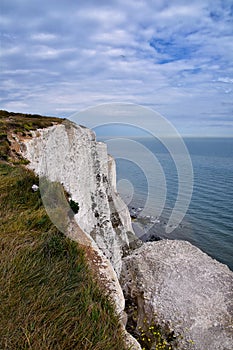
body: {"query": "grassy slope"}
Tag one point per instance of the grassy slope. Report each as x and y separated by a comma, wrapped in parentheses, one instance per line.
(49, 298)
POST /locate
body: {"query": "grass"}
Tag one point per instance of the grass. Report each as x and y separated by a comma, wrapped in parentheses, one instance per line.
(49, 297)
(20, 124)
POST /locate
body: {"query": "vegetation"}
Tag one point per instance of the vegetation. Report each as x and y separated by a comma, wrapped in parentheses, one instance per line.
(151, 335)
(49, 297)
(74, 206)
(20, 124)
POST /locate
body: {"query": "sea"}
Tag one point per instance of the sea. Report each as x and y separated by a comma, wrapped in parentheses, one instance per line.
(208, 222)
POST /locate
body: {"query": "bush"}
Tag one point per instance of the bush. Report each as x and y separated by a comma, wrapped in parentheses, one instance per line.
(74, 206)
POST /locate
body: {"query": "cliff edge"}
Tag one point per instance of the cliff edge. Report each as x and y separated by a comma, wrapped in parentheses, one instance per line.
(177, 297)
(69, 154)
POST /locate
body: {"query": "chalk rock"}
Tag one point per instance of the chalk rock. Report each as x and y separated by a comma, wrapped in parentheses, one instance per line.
(69, 154)
(35, 188)
(184, 289)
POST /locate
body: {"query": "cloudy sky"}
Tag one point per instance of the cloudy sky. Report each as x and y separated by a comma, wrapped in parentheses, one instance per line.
(62, 56)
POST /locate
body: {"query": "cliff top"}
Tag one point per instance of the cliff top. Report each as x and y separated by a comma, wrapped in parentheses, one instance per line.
(20, 124)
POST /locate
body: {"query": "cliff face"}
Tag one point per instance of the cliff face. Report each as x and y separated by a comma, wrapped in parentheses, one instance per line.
(188, 293)
(69, 154)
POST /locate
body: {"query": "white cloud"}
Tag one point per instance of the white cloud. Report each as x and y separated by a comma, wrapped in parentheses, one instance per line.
(43, 36)
(226, 80)
(186, 11)
(105, 16)
(114, 37)
(46, 52)
(14, 50)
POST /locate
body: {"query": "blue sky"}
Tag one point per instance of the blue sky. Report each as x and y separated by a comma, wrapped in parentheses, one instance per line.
(58, 57)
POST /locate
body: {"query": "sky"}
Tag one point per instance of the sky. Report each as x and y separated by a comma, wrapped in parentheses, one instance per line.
(176, 57)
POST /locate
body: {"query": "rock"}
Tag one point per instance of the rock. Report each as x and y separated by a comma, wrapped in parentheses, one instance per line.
(172, 282)
(185, 290)
(69, 154)
(35, 188)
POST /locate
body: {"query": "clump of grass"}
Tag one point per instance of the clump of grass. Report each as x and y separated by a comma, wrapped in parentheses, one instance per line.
(49, 298)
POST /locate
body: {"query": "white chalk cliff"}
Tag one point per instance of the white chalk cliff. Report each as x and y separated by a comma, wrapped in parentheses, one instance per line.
(69, 154)
(167, 278)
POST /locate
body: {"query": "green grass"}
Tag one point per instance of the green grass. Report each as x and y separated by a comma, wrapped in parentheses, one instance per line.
(49, 298)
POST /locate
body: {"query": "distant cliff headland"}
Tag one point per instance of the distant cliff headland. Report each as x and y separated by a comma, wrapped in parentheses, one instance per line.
(85, 281)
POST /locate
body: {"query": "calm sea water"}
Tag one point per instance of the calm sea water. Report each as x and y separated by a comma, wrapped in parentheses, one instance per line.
(208, 223)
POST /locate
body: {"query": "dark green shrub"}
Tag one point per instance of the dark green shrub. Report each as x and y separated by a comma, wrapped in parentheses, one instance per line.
(74, 206)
